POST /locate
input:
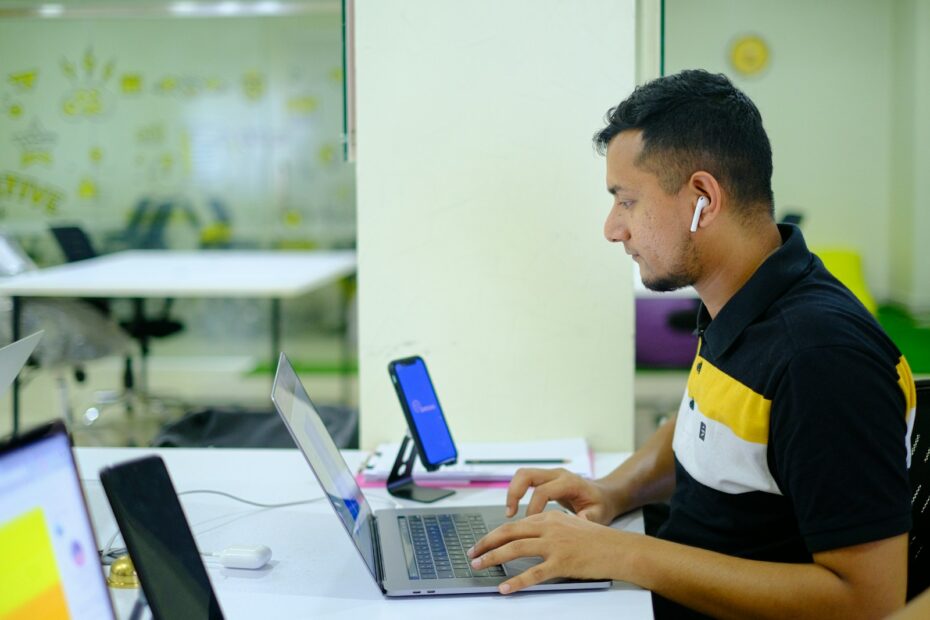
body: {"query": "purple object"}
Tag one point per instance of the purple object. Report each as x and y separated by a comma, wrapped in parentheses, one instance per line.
(658, 342)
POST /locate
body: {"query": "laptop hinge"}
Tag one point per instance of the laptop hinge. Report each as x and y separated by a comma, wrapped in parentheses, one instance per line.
(379, 562)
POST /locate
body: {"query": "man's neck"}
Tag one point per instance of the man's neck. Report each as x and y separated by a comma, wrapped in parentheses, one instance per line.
(728, 268)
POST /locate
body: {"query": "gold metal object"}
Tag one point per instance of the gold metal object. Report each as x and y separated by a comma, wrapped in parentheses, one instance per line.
(123, 574)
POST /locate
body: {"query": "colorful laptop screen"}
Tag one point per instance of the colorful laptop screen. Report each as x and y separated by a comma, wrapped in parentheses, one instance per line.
(50, 567)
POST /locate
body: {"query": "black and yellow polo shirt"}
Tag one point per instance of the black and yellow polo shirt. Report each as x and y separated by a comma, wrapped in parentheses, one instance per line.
(793, 434)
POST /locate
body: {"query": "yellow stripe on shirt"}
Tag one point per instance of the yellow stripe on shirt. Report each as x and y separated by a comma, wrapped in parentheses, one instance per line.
(723, 399)
(906, 383)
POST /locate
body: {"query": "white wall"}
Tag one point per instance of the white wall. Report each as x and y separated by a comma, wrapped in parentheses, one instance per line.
(826, 101)
(910, 215)
(480, 212)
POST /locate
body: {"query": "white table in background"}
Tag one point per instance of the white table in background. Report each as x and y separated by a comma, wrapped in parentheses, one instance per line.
(143, 274)
(315, 571)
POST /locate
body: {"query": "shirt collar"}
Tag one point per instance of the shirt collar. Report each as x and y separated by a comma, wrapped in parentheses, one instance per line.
(774, 276)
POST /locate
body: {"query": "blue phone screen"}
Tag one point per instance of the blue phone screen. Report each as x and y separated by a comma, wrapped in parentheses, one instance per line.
(423, 405)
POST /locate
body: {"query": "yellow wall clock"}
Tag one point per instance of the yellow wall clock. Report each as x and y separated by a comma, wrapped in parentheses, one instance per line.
(749, 55)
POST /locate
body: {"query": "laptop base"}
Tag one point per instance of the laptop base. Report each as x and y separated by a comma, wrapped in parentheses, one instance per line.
(400, 482)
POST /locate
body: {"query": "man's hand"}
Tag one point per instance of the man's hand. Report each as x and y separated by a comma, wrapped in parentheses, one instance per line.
(586, 498)
(569, 546)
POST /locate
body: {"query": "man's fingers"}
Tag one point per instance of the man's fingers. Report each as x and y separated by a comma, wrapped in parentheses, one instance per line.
(523, 480)
(530, 577)
(520, 548)
(540, 498)
(552, 490)
(503, 535)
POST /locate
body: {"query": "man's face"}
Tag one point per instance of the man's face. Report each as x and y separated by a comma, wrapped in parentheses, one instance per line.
(652, 225)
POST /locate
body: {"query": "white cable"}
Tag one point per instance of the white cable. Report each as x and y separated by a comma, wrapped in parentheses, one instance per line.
(106, 554)
(250, 502)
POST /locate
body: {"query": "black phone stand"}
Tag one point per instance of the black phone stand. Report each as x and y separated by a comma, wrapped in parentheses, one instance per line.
(400, 481)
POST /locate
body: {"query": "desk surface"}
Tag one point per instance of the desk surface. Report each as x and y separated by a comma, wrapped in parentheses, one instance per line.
(315, 572)
(204, 273)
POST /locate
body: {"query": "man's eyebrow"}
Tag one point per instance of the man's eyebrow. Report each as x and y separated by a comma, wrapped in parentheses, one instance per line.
(613, 189)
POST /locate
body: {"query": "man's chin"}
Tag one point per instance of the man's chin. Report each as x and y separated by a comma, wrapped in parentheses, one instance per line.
(666, 285)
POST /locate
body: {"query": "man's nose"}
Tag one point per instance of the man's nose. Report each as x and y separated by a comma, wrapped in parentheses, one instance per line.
(615, 228)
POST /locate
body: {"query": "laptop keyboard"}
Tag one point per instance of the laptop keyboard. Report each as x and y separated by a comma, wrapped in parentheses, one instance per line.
(435, 545)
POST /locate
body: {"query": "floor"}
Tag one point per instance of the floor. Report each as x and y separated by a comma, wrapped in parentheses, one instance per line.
(182, 376)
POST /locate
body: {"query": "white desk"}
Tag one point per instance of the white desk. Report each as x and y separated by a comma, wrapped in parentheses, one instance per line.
(203, 273)
(140, 274)
(315, 571)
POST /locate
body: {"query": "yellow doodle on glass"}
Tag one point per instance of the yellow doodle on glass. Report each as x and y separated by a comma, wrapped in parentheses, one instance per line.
(24, 80)
(130, 83)
(167, 84)
(25, 190)
(87, 98)
(87, 189)
(292, 217)
(253, 85)
(327, 154)
(302, 105)
(36, 144)
(83, 102)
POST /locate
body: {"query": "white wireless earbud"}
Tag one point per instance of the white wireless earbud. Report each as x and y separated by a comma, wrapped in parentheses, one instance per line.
(701, 203)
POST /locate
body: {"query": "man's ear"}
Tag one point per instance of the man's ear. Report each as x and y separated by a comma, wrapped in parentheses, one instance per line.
(704, 184)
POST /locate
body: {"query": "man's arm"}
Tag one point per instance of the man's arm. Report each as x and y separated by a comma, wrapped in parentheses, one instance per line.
(861, 581)
(648, 475)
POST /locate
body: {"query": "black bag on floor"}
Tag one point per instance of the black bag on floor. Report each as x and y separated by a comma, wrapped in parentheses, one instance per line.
(244, 428)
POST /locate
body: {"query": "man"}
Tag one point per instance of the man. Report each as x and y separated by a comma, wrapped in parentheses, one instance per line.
(786, 467)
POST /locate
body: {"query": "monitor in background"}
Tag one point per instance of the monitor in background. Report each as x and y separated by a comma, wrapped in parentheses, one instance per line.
(50, 566)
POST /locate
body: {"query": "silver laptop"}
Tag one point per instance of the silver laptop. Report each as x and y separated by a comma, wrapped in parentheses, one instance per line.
(50, 567)
(409, 552)
(13, 357)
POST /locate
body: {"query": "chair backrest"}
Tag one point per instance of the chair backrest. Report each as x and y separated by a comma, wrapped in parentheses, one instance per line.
(76, 246)
(918, 565)
(74, 242)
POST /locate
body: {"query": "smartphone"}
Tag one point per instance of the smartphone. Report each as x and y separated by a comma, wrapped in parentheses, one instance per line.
(424, 415)
(159, 540)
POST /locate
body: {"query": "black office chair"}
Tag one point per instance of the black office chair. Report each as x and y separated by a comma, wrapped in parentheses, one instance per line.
(76, 246)
(918, 561)
(75, 332)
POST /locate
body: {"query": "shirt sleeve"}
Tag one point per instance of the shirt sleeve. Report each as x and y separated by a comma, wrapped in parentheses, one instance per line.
(838, 448)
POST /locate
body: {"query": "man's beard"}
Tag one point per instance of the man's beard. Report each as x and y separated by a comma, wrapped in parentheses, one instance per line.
(684, 274)
(670, 282)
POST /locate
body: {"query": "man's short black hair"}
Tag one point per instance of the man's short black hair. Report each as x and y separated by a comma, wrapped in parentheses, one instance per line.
(695, 120)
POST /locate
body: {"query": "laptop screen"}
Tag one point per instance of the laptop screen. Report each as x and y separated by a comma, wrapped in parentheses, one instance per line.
(51, 567)
(311, 436)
